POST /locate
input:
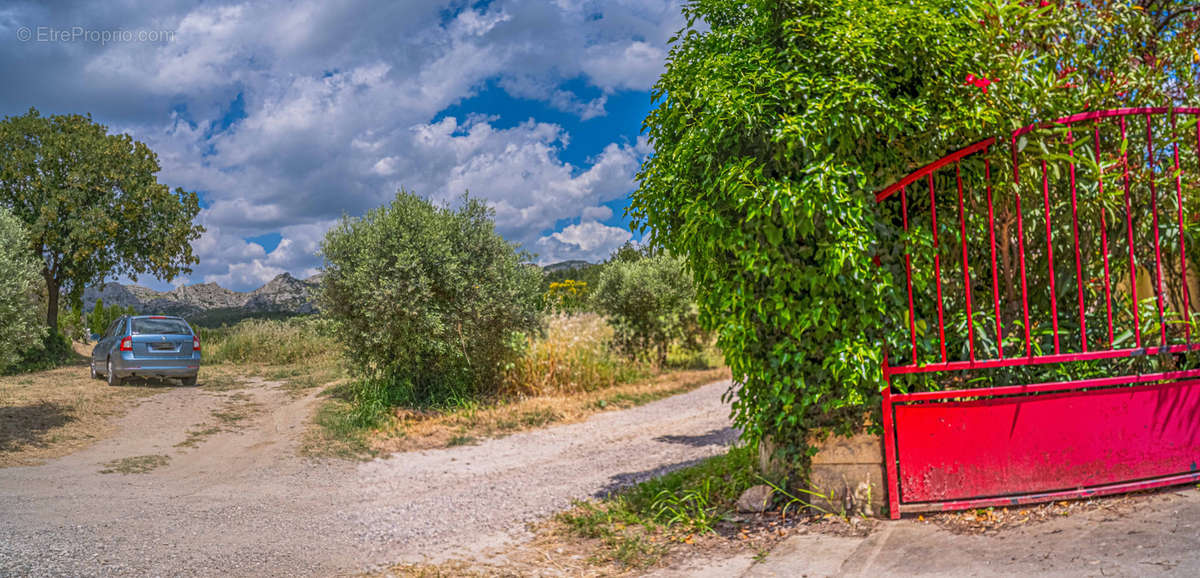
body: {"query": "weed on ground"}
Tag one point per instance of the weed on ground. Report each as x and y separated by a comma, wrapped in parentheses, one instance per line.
(236, 409)
(337, 434)
(136, 464)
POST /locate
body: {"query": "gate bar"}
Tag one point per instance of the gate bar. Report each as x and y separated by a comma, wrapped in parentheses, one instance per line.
(1162, 318)
(1187, 317)
(1024, 286)
(987, 177)
(1056, 386)
(962, 224)
(937, 268)
(1075, 231)
(1103, 233)
(912, 321)
(1050, 258)
(1137, 323)
(1044, 359)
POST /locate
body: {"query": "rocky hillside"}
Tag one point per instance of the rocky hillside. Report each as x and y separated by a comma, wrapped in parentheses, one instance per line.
(566, 266)
(283, 294)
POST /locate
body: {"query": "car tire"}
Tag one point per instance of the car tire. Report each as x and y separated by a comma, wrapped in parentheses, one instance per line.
(113, 380)
(92, 369)
(188, 381)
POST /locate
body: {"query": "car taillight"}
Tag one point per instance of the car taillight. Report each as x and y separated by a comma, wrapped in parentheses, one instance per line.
(127, 344)
(195, 343)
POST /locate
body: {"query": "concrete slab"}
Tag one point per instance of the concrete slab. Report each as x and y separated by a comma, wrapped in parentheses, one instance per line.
(1159, 539)
(806, 555)
(1155, 535)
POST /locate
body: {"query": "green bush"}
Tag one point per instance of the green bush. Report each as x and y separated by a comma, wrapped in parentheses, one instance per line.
(776, 121)
(71, 322)
(52, 351)
(430, 303)
(650, 302)
(20, 284)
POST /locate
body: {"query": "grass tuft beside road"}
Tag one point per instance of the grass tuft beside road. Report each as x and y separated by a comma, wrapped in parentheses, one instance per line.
(635, 528)
(409, 430)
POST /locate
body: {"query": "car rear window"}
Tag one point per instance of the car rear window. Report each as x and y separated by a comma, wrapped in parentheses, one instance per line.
(148, 326)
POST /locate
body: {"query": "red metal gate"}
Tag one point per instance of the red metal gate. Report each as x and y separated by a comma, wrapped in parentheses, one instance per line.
(1025, 400)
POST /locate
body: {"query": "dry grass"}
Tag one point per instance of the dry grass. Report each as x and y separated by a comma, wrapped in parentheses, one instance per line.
(296, 379)
(297, 341)
(298, 352)
(53, 413)
(575, 355)
(411, 430)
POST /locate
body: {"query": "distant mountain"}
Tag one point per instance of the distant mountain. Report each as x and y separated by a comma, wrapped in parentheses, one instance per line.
(283, 295)
(566, 266)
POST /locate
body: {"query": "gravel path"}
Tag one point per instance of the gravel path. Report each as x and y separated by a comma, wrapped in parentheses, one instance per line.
(241, 503)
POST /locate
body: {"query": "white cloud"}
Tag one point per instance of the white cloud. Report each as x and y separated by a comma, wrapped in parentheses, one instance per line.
(340, 107)
(596, 213)
(519, 171)
(589, 241)
(634, 65)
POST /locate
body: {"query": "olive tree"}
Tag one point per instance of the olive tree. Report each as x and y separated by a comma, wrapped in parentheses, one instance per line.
(19, 287)
(649, 301)
(430, 302)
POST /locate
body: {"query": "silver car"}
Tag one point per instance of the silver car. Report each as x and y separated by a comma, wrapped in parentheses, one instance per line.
(147, 346)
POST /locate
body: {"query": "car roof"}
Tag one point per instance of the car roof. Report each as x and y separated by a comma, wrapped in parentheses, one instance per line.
(156, 317)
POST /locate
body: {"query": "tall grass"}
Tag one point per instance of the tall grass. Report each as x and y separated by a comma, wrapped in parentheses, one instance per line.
(575, 355)
(295, 341)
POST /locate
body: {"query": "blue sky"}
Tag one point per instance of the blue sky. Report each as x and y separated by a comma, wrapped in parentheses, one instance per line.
(286, 115)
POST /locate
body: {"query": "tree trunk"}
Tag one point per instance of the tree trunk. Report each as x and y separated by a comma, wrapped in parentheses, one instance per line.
(52, 290)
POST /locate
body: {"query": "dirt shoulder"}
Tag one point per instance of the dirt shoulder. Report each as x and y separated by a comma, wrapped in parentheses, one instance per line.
(53, 413)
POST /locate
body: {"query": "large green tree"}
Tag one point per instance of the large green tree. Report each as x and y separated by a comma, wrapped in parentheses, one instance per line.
(777, 120)
(92, 204)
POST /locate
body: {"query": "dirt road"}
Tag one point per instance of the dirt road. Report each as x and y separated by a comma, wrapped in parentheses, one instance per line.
(227, 494)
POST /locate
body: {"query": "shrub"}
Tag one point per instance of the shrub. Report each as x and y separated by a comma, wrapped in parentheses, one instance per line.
(430, 303)
(71, 323)
(776, 122)
(19, 287)
(52, 351)
(651, 303)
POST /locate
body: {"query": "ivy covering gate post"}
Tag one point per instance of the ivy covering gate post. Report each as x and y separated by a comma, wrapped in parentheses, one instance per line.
(777, 120)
